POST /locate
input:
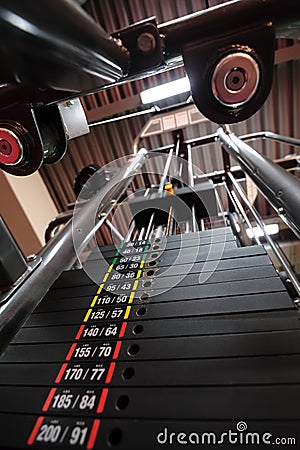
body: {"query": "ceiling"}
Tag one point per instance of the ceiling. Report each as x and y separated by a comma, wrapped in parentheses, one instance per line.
(107, 142)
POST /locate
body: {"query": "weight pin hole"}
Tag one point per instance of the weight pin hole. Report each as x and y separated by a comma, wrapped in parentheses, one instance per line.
(150, 273)
(128, 373)
(137, 329)
(152, 263)
(114, 437)
(122, 402)
(141, 311)
(133, 349)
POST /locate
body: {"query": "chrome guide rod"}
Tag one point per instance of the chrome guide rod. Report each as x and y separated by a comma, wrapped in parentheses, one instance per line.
(192, 184)
(274, 246)
(187, 227)
(240, 208)
(60, 253)
(165, 173)
(141, 235)
(114, 230)
(220, 206)
(135, 236)
(150, 226)
(123, 117)
(170, 222)
(194, 222)
(190, 166)
(130, 231)
(177, 146)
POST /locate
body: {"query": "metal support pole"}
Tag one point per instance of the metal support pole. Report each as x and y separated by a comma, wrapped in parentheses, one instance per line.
(60, 253)
(273, 136)
(213, 138)
(274, 246)
(279, 187)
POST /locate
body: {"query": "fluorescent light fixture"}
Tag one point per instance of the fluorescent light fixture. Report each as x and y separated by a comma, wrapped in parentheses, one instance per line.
(272, 228)
(166, 90)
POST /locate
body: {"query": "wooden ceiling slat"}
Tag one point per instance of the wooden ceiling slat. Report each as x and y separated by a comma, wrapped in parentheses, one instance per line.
(296, 98)
(92, 101)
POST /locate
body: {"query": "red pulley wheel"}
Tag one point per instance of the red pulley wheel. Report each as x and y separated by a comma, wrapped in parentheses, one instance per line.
(11, 149)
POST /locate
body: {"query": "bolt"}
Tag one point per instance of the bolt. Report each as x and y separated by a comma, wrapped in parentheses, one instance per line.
(70, 103)
(5, 147)
(31, 257)
(118, 42)
(146, 43)
(236, 79)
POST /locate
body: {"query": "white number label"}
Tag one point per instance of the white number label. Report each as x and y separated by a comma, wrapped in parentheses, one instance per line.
(49, 433)
(62, 401)
(78, 435)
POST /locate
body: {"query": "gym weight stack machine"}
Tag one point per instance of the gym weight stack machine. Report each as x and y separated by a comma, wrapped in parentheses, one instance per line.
(139, 357)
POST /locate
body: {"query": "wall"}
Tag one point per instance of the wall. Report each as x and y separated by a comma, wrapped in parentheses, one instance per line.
(27, 208)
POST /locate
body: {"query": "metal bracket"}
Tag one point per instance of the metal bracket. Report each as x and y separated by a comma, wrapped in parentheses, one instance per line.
(145, 45)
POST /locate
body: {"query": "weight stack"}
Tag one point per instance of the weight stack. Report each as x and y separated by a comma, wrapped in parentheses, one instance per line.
(186, 341)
